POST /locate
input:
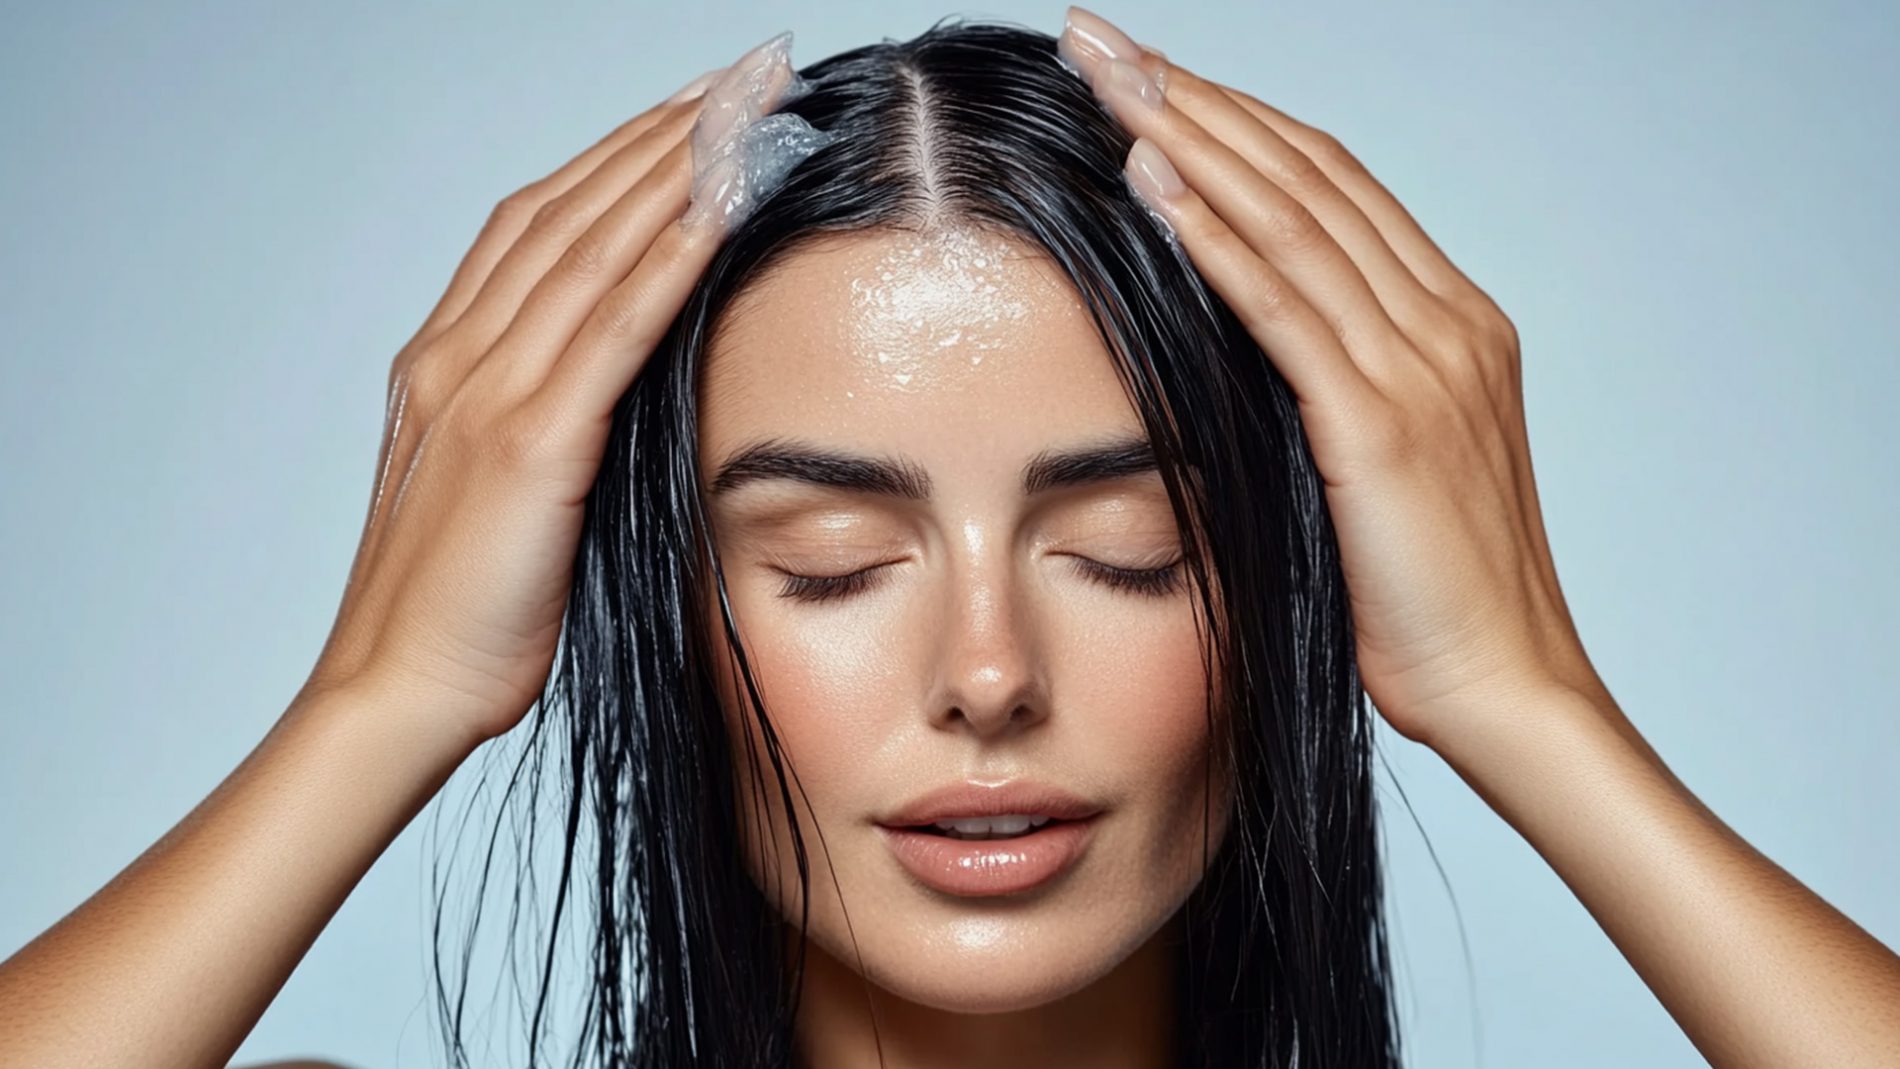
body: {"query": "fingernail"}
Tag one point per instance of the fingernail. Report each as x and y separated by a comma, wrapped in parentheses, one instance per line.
(1123, 81)
(747, 90)
(1097, 38)
(1153, 177)
(696, 86)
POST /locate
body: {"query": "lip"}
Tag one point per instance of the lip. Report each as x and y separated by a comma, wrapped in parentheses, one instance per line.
(975, 868)
(970, 799)
(986, 867)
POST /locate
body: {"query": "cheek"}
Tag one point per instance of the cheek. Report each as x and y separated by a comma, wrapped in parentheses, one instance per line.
(1139, 682)
(1136, 676)
(826, 677)
(831, 684)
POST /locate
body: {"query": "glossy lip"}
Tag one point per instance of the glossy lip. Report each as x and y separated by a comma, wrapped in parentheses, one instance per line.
(973, 868)
(972, 799)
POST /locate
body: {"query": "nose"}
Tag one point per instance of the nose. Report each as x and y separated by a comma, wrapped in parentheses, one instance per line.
(990, 673)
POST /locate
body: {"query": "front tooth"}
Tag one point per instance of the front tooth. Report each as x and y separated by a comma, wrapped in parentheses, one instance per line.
(1012, 824)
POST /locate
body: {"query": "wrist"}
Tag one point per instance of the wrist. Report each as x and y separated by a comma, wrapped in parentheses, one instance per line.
(404, 725)
(1547, 756)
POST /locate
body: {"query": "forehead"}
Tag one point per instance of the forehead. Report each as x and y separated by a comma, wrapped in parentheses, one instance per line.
(955, 344)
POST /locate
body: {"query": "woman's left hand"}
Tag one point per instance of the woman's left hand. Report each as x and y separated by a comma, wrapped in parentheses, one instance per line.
(1408, 387)
(1407, 376)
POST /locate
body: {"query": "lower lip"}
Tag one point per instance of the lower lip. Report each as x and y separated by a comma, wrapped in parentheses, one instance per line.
(982, 867)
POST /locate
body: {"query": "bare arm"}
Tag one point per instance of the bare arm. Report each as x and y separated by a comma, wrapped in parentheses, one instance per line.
(1757, 969)
(498, 415)
(1409, 378)
(173, 961)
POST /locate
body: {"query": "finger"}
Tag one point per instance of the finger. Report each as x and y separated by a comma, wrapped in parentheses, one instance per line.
(1402, 232)
(599, 261)
(511, 216)
(627, 324)
(1413, 306)
(557, 224)
(1303, 346)
(428, 375)
(1273, 222)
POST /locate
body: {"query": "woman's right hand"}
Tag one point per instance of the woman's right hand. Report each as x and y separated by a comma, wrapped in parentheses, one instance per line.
(500, 406)
(499, 410)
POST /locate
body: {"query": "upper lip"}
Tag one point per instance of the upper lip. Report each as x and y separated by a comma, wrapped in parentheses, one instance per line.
(956, 801)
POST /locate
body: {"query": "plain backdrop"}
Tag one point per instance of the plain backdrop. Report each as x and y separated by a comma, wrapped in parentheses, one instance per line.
(222, 220)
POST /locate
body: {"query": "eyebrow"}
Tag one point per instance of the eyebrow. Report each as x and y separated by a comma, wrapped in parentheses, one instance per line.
(1111, 458)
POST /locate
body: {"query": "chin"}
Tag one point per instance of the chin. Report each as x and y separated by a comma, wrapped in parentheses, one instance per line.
(997, 957)
(1022, 974)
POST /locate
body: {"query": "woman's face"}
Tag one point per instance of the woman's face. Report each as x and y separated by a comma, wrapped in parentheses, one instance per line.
(873, 407)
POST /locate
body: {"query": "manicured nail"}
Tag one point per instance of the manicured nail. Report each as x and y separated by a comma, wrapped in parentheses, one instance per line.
(1124, 82)
(1097, 38)
(696, 86)
(1153, 177)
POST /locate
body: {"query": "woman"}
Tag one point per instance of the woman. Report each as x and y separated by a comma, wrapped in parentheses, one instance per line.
(882, 462)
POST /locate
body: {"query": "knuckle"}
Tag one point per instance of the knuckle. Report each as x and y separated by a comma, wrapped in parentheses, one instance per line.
(1500, 330)
(673, 246)
(1301, 176)
(1431, 322)
(428, 380)
(588, 257)
(432, 381)
(1330, 151)
(1486, 323)
(558, 220)
(1271, 301)
(619, 316)
(517, 437)
(1294, 229)
(516, 208)
(1464, 367)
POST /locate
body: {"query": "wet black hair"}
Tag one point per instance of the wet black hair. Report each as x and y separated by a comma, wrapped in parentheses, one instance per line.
(1284, 959)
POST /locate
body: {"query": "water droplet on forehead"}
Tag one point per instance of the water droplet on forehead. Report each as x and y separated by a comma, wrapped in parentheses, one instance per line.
(934, 293)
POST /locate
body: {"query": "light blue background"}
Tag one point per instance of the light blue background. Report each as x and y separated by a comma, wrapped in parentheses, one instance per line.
(222, 220)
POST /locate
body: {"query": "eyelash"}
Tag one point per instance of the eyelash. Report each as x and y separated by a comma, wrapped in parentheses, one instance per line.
(1146, 582)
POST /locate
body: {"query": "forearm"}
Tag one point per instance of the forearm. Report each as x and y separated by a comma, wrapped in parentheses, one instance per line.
(1756, 968)
(173, 961)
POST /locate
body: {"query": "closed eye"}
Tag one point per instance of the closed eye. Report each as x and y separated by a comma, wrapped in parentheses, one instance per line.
(1152, 582)
(827, 587)
(1149, 582)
